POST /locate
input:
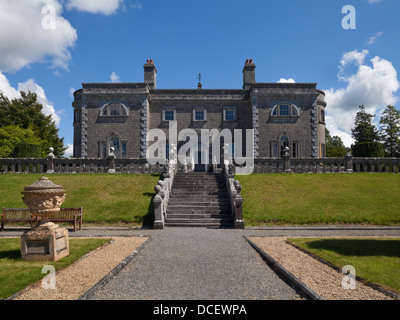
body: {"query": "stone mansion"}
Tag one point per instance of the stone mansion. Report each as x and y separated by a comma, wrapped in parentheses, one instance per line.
(120, 115)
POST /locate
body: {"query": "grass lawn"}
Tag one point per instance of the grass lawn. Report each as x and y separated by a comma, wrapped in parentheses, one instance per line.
(359, 198)
(375, 260)
(105, 198)
(16, 274)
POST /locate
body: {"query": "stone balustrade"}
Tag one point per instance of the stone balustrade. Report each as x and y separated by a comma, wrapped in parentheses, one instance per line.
(141, 166)
(163, 190)
(46, 166)
(234, 188)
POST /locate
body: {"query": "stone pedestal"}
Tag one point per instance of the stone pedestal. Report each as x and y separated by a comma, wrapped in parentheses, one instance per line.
(46, 242)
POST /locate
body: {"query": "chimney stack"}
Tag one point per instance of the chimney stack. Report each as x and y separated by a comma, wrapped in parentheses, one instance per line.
(150, 74)
(249, 74)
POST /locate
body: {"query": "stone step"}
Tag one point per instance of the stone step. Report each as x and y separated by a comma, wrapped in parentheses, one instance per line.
(209, 220)
(198, 211)
(205, 189)
(198, 204)
(199, 225)
(199, 200)
(212, 200)
(198, 216)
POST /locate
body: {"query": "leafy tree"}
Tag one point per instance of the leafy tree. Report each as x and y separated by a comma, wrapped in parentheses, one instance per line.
(334, 146)
(26, 113)
(366, 136)
(14, 139)
(390, 131)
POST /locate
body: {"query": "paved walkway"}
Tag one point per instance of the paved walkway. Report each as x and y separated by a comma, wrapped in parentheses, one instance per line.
(205, 264)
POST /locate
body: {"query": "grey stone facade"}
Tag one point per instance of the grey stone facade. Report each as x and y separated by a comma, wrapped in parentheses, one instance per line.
(120, 115)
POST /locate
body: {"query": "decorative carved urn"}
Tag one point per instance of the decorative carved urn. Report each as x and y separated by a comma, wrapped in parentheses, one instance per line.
(44, 198)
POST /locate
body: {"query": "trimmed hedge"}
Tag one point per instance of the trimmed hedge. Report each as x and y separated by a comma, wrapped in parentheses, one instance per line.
(368, 149)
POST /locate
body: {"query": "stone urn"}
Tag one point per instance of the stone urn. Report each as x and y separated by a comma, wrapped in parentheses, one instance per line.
(47, 241)
(44, 198)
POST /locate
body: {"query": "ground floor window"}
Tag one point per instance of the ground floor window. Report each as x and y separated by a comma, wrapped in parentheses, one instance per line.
(284, 143)
(278, 147)
(120, 147)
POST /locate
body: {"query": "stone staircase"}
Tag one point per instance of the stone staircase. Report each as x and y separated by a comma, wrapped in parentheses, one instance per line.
(199, 200)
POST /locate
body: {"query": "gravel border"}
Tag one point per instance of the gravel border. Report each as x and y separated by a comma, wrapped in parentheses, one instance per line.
(79, 277)
(315, 274)
(107, 278)
(372, 285)
(300, 286)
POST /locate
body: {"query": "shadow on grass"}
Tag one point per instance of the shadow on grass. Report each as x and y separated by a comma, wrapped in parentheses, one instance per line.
(148, 218)
(10, 254)
(359, 247)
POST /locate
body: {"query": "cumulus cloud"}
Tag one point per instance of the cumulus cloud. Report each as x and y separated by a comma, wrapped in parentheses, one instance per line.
(70, 151)
(282, 80)
(30, 85)
(106, 7)
(25, 39)
(372, 85)
(114, 78)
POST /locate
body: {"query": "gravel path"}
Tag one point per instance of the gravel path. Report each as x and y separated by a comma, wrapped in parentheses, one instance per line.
(203, 264)
(197, 264)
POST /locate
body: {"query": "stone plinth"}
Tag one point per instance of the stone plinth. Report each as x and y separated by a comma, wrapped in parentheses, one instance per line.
(46, 242)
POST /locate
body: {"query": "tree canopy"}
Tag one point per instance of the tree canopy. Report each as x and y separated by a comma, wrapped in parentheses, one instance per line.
(334, 146)
(26, 113)
(390, 131)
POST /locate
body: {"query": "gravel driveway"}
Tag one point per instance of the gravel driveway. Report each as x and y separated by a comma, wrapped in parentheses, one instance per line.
(197, 264)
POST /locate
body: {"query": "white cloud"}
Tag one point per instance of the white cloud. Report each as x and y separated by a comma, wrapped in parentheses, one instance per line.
(137, 5)
(282, 80)
(354, 57)
(106, 7)
(69, 152)
(114, 78)
(373, 86)
(24, 40)
(373, 39)
(6, 88)
(30, 85)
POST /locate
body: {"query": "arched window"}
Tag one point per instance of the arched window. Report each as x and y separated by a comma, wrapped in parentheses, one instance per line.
(114, 110)
(285, 110)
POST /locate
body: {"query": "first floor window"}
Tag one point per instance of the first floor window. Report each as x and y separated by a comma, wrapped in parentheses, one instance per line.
(285, 110)
(169, 114)
(199, 115)
(230, 114)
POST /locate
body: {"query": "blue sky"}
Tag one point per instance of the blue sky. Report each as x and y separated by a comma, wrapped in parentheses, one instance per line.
(289, 40)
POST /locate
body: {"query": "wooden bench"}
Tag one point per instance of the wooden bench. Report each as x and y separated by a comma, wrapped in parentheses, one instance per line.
(16, 215)
(68, 215)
